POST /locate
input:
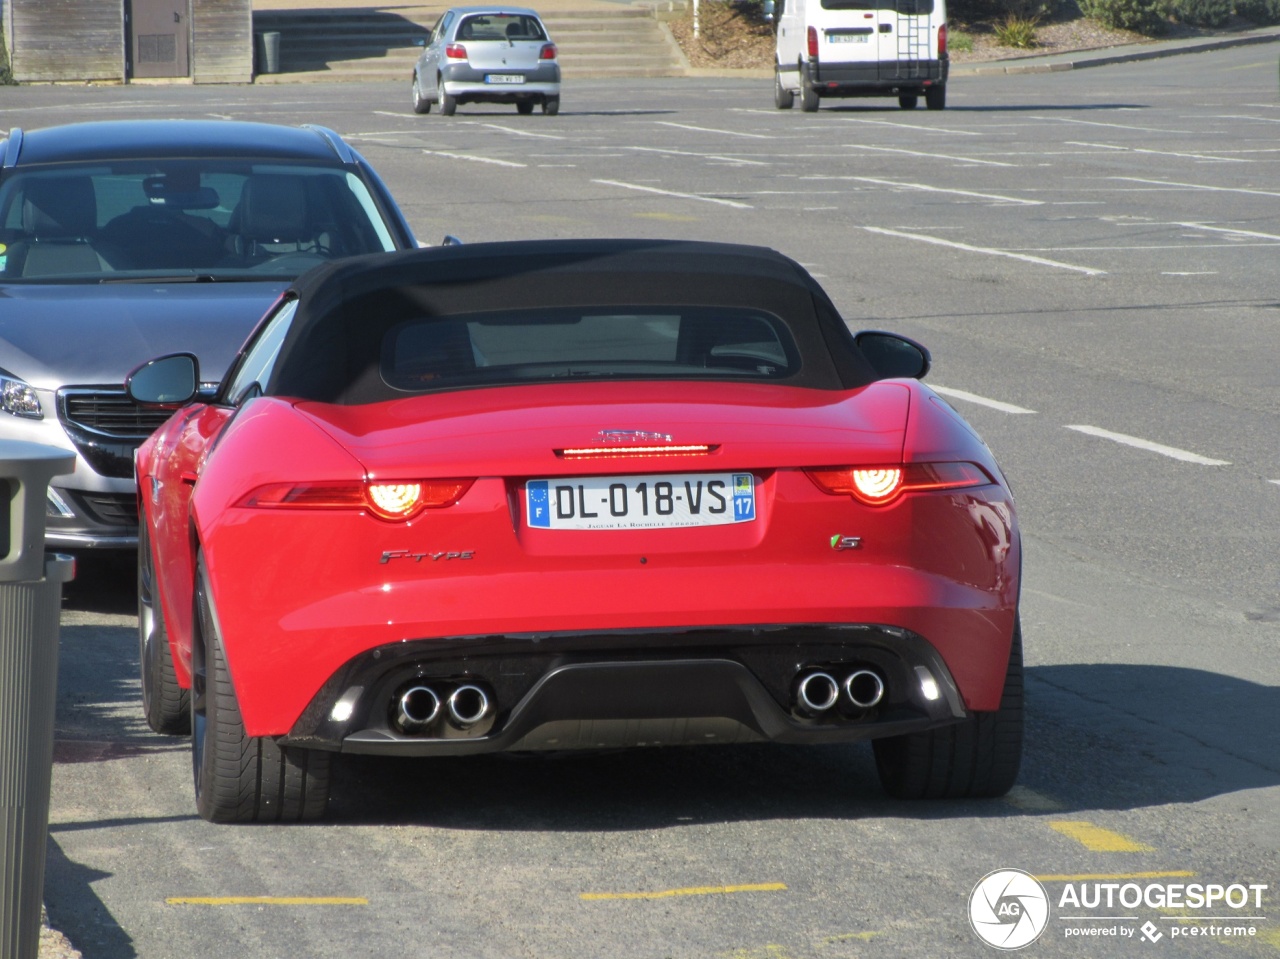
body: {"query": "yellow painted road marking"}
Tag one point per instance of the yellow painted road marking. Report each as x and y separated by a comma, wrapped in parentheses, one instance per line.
(690, 891)
(266, 901)
(1118, 876)
(1097, 839)
(846, 936)
(1030, 800)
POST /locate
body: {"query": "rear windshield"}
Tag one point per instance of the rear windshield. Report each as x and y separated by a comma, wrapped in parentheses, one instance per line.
(501, 26)
(554, 344)
(143, 218)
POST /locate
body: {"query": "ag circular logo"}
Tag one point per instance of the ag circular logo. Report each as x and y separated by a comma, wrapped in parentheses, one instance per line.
(1008, 909)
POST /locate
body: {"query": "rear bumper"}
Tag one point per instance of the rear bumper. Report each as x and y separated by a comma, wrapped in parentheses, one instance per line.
(633, 688)
(466, 84)
(888, 78)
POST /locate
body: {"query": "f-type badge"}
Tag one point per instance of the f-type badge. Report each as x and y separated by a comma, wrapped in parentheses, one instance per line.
(633, 436)
(846, 542)
(390, 554)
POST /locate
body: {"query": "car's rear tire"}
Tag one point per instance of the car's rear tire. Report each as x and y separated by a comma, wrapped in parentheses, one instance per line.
(908, 101)
(448, 104)
(783, 98)
(935, 98)
(241, 778)
(524, 107)
(420, 103)
(976, 758)
(551, 106)
(166, 705)
(808, 95)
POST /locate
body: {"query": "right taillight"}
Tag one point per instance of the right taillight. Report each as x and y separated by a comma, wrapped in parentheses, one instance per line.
(880, 485)
(813, 43)
(942, 42)
(548, 52)
(455, 51)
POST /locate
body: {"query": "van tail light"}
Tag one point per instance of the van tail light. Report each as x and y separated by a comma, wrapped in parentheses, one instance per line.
(548, 52)
(813, 43)
(455, 51)
(879, 485)
(942, 42)
(395, 502)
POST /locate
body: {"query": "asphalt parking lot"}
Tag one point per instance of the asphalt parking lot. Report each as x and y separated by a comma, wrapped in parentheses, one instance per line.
(1090, 256)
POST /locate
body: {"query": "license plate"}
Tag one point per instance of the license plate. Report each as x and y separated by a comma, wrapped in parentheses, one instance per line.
(848, 38)
(641, 502)
(504, 78)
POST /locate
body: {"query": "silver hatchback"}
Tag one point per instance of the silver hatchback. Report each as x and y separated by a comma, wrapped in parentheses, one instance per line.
(488, 55)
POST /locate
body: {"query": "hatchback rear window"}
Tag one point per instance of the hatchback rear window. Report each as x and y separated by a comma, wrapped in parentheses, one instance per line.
(501, 26)
(557, 344)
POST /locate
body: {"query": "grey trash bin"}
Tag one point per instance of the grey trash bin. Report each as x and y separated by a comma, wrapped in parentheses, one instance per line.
(30, 603)
(269, 52)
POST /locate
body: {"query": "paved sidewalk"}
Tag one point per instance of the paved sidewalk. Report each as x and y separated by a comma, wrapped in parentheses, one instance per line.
(1128, 53)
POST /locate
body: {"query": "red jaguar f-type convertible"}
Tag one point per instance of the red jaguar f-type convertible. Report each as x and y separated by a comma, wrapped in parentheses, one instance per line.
(570, 494)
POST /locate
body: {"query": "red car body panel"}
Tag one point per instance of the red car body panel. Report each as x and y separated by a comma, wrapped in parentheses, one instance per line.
(300, 593)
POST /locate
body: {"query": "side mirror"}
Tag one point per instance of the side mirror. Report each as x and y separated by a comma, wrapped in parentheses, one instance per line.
(168, 381)
(419, 41)
(769, 8)
(893, 356)
(450, 240)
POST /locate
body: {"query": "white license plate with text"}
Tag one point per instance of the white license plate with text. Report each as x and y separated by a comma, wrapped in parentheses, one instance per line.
(848, 38)
(504, 78)
(640, 502)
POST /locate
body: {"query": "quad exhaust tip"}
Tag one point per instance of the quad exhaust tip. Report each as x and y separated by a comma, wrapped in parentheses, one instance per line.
(864, 688)
(817, 692)
(417, 708)
(469, 705)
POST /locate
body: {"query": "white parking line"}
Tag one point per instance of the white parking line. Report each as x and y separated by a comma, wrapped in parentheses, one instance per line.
(522, 133)
(1227, 229)
(938, 241)
(937, 189)
(1162, 153)
(729, 133)
(700, 156)
(1114, 126)
(912, 126)
(1197, 186)
(1169, 451)
(680, 196)
(930, 156)
(473, 159)
(981, 400)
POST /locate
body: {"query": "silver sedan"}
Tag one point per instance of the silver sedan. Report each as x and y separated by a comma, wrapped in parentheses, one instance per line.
(488, 55)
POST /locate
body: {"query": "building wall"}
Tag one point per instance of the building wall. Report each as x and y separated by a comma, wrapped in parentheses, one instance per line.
(65, 39)
(222, 41)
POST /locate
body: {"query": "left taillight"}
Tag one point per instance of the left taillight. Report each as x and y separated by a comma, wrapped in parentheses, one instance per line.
(880, 485)
(548, 52)
(455, 51)
(394, 502)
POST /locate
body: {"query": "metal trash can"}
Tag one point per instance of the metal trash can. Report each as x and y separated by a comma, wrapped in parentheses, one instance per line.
(269, 52)
(30, 603)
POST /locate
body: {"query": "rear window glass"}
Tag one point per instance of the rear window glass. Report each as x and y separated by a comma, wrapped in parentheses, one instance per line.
(501, 26)
(554, 344)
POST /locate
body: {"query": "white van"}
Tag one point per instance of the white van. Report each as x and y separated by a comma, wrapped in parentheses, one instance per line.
(861, 48)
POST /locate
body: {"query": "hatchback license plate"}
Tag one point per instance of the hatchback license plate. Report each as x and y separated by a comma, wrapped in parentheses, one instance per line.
(641, 502)
(503, 78)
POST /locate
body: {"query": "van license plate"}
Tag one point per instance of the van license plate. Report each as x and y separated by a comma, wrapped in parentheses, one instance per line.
(504, 78)
(848, 38)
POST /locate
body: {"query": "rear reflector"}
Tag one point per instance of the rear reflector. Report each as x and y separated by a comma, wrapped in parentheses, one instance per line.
(389, 501)
(878, 485)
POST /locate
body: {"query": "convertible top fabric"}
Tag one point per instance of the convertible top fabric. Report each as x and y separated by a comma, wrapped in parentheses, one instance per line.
(331, 353)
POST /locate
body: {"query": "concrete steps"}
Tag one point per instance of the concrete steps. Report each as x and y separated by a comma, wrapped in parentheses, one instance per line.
(369, 45)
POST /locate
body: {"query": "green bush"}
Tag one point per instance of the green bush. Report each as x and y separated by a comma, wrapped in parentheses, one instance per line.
(1259, 11)
(960, 41)
(1144, 16)
(978, 11)
(6, 73)
(1203, 13)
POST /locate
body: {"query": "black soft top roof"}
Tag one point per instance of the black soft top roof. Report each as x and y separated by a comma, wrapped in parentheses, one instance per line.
(347, 306)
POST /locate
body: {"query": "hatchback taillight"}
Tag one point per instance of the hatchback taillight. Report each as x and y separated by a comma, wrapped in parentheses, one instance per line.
(455, 51)
(813, 43)
(548, 52)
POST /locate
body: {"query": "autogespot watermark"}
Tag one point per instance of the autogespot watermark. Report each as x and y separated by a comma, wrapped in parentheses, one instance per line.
(1010, 909)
